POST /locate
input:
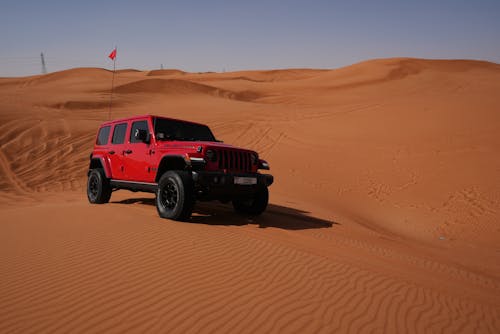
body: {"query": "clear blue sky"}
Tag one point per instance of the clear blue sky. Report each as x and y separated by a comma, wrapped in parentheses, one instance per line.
(232, 35)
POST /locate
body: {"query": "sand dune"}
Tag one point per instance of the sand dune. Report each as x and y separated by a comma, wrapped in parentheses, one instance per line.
(88, 74)
(384, 214)
(176, 86)
(166, 72)
(128, 70)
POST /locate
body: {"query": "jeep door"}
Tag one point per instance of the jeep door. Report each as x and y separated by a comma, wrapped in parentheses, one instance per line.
(138, 152)
(117, 149)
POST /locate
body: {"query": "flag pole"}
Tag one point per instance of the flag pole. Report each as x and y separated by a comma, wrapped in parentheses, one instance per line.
(112, 83)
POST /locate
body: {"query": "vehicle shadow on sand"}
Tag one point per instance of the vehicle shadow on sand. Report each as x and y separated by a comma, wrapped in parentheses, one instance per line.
(215, 213)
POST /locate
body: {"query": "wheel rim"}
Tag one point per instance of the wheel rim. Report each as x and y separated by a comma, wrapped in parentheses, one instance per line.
(93, 186)
(248, 202)
(169, 195)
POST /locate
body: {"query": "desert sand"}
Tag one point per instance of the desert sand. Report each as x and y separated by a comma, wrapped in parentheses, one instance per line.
(384, 215)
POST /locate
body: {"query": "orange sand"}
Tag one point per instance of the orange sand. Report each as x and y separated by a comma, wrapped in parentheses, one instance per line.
(384, 217)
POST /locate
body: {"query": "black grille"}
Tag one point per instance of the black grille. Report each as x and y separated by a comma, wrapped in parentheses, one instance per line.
(234, 160)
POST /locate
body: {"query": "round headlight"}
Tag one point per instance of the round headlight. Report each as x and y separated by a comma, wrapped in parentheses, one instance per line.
(211, 155)
(254, 158)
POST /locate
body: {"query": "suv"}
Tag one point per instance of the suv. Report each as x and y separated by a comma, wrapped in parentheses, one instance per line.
(180, 162)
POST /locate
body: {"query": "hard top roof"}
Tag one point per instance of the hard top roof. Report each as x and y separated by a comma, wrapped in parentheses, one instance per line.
(120, 120)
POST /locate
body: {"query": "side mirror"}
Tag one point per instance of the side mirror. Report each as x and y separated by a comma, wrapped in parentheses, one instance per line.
(142, 135)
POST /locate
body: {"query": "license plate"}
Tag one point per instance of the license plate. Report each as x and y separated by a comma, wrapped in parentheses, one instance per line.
(245, 180)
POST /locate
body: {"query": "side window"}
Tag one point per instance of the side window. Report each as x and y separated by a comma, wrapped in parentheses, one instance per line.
(119, 133)
(103, 135)
(139, 125)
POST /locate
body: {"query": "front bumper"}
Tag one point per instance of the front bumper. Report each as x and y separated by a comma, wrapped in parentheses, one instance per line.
(219, 185)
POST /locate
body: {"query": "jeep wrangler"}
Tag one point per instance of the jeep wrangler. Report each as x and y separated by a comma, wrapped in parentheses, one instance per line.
(180, 161)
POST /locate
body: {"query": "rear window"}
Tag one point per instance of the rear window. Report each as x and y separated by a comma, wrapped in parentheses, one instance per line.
(103, 135)
(119, 133)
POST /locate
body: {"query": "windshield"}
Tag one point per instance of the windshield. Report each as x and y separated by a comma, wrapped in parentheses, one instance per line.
(166, 129)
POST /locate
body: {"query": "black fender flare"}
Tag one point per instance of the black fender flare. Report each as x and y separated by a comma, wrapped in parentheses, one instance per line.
(172, 162)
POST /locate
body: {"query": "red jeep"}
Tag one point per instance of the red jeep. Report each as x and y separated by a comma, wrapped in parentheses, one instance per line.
(180, 161)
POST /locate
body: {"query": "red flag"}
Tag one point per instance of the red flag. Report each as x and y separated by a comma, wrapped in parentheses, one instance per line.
(112, 55)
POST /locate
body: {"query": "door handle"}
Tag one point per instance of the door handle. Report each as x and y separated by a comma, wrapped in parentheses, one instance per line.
(127, 152)
(111, 152)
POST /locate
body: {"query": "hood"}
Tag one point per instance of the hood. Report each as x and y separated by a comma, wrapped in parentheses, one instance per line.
(195, 144)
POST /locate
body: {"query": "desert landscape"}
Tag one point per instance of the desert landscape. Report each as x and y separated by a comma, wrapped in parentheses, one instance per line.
(383, 218)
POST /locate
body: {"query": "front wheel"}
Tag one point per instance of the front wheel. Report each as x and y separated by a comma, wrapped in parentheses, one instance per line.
(98, 187)
(175, 195)
(255, 205)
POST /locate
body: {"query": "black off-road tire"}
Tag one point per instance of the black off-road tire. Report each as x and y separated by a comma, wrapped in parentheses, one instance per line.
(175, 195)
(98, 187)
(254, 206)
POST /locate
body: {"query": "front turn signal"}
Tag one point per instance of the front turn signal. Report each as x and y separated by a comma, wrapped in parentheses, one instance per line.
(263, 164)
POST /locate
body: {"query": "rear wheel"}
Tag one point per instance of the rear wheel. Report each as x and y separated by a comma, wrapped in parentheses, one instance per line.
(175, 195)
(98, 187)
(255, 205)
